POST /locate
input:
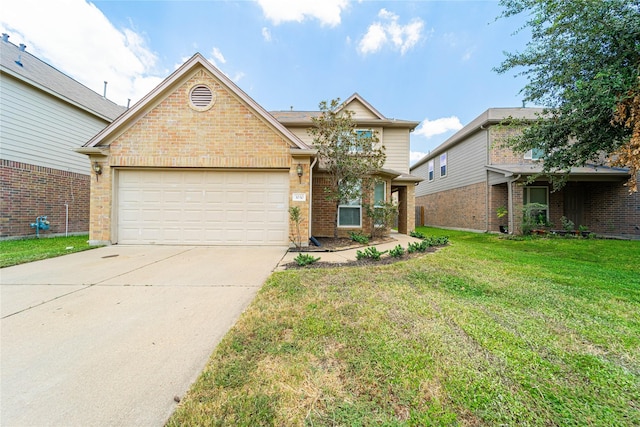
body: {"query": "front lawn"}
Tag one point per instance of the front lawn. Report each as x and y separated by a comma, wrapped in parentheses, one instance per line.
(13, 252)
(485, 331)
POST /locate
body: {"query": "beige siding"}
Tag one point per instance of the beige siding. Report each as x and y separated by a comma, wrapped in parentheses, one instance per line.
(41, 130)
(396, 142)
(360, 111)
(465, 166)
(302, 134)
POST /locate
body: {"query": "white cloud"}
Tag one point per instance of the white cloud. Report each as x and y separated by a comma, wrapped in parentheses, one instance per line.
(429, 128)
(266, 34)
(414, 156)
(217, 57)
(75, 37)
(375, 38)
(326, 11)
(388, 31)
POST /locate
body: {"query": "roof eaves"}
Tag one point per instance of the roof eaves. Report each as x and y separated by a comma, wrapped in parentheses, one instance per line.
(489, 117)
(175, 76)
(357, 96)
(55, 94)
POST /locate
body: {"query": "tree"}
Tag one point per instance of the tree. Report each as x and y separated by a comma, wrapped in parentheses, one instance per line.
(628, 114)
(582, 62)
(349, 157)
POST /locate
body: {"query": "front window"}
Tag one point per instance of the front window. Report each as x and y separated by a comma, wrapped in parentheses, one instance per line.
(538, 195)
(431, 173)
(379, 199)
(443, 164)
(350, 213)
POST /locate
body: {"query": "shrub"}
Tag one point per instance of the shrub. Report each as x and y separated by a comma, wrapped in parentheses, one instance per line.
(397, 252)
(359, 237)
(370, 253)
(437, 241)
(382, 217)
(417, 247)
(567, 224)
(305, 259)
(417, 234)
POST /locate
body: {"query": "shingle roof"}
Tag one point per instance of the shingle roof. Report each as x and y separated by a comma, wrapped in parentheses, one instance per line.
(45, 77)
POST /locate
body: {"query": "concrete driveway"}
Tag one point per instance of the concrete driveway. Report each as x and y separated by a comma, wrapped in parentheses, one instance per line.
(111, 335)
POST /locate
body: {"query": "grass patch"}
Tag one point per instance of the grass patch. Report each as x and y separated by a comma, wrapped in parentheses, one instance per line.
(14, 252)
(486, 331)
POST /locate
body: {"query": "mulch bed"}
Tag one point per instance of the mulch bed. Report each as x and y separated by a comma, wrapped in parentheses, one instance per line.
(329, 244)
(335, 245)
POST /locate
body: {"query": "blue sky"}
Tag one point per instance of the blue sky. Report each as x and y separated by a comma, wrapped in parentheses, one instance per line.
(428, 61)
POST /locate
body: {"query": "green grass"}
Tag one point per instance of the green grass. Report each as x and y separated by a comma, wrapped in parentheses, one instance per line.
(14, 252)
(485, 331)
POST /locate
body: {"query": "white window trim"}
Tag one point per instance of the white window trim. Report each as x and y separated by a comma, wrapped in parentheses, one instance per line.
(529, 155)
(358, 131)
(431, 171)
(384, 198)
(446, 165)
(526, 192)
(351, 206)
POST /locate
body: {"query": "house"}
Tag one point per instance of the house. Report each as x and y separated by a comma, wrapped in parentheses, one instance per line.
(198, 162)
(472, 175)
(394, 181)
(44, 116)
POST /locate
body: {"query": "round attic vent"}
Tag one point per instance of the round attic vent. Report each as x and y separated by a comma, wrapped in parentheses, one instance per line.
(201, 97)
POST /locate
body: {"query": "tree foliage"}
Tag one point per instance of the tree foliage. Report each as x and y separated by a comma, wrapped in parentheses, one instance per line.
(581, 63)
(628, 114)
(349, 157)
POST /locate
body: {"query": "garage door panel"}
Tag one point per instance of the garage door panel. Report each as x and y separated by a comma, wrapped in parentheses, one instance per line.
(203, 207)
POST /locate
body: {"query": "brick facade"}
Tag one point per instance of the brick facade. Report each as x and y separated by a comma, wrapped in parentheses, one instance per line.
(172, 134)
(28, 191)
(232, 133)
(465, 207)
(324, 211)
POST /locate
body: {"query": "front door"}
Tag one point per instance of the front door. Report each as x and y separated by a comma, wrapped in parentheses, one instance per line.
(574, 203)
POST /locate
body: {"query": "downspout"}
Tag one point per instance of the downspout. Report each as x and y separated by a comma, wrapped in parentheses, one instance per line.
(510, 201)
(315, 160)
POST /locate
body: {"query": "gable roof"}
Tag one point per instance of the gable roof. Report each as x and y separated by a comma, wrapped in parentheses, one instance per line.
(304, 118)
(357, 97)
(196, 60)
(27, 68)
(492, 116)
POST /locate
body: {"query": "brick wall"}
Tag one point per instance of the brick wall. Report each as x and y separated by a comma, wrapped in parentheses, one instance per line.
(499, 152)
(324, 211)
(28, 191)
(498, 197)
(610, 209)
(462, 207)
(171, 133)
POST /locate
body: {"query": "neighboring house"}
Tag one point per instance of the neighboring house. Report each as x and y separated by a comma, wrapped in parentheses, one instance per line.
(44, 116)
(472, 174)
(197, 161)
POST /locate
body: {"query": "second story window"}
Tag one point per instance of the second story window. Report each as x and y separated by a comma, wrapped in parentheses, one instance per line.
(360, 135)
(431, 172)
(443, 164)
(534, 154)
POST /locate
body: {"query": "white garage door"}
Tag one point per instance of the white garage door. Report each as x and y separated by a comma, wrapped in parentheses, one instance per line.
(202, 207)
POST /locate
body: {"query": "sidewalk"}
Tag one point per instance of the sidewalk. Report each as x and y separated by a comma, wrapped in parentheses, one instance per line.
(347, 255)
